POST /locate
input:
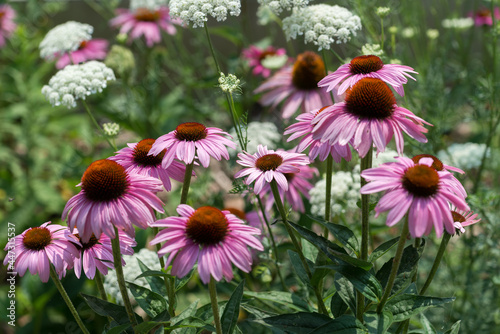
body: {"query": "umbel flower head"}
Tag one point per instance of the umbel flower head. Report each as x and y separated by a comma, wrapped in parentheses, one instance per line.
(77, 82)
(322, 25)
(277, 6)
(368, 66)
(136, 160)
(215, 239)
(112, 197)
(267, 165)
(190, 140)
(255, 57)
(39, 247)
(97, 253)
(416, 189)
(297, 86)
(145, 18)
(7, 24)
(196, 12)
(369, 115)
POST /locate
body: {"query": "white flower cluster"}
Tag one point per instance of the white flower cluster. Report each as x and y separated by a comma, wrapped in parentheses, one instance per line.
(229, 83)
(432, 33)
(460, 23)
(274, 62)
(197, 11)
(263, 133)
(64, 38)
(383, 157)
(345, 193)
(277, 6)
(148, 4)
(130, 271)
(76, 82)
(408, 32)
(111, 129)
(383, 11)
(372, 49)
(322, 25)
(464, 156)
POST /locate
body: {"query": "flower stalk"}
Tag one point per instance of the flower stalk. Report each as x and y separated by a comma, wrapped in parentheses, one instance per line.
(215, 306)
(186, 183)
(437, 261)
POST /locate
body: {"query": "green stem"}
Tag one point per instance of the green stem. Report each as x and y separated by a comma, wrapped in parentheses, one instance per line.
(281, 209)
(87, 109)
(328, 201)
(212, 49)
(395, 266)
(170, 294)
(273, 243)
(406, 324)
(117, 260)
(65, 296)
(215, 306)
(382, 36)
(186, 183)
(100, 285)
(437, 261)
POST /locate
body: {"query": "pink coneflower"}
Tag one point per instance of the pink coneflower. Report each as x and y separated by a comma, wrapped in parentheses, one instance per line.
(266, 165)
(7, 24)
(145, 21)
(368, 67)
(39, 247)
(463, 218)
(369, 115)
(97, 253)
(417, 189)
(209, 236)
(112, 197)
(304, 127)
(297, 86)
(298, 186)
(255, 56)
(136, 160)
(88, 50)
(483, 17)
(190, 140)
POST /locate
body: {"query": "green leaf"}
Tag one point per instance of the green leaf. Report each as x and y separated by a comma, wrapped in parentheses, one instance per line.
(407, 268)
(337, 305)
(361, 279)
(299, 268)
(426, 325)
(186, 313)
(118, 329)
(232, 309)
(146, 326)
(180, 282)
(404, 306)
(228, 33)
(454, 329)
(378, 323)
(346, 291)
(151, 302)
(300, 323)
(287, 299)
(382, 249)
(105, 308)
(343, 234)
(156, 283)
(346, 324)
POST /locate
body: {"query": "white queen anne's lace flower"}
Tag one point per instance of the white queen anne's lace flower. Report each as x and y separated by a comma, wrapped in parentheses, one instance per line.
(464, 156)
(196, 12)
(460, 23)
(322, 25)
(64, 38)
(277, 6)
(77, 82)
(264, 133)
(148, 4)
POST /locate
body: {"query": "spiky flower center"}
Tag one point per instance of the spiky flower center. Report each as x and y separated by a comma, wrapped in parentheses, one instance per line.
(370, 98)
(269, 162)
(319, 111)
(365, 64)
(104, 180)
(308, 70)
(37, 238)
(436, 163)
(207, 226)
(141, 156)
(421, 181)
(289, 176)
(144, 14)
(238, 213)
(457, 217)
(86, 245)
(265, 54)
(83, 44)
(191, 131)
(483, 13)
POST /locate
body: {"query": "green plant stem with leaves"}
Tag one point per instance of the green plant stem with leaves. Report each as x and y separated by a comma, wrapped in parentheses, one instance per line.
(277, 199)
(437, 261)
(273, 243)
(186, 183)
(215, 306)
(87, 109)
(68, 302)
(395, 266)
(117, 261)
(170, 292)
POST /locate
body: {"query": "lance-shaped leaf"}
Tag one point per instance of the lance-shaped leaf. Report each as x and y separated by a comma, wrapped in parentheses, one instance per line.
(232, 309)
(300, 323)
(343, 234)
(151, 302)
(404, 306)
